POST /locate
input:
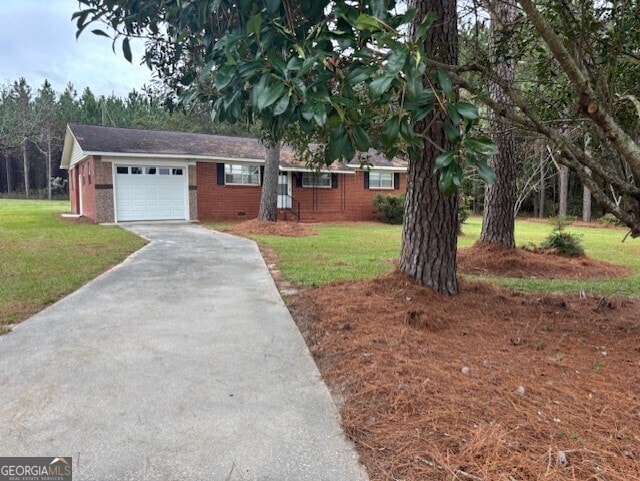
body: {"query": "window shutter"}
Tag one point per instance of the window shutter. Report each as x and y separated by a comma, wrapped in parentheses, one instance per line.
(334, 181)
(220, 173)
(366, 180)
(396, 181)
(261, 174)
(299, 179)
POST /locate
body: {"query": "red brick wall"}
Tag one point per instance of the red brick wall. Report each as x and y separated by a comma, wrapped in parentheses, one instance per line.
(224, 202)
(321, 204)
(350, 201)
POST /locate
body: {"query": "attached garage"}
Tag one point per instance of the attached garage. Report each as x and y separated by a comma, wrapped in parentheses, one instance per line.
(150, 192)
(121, 175)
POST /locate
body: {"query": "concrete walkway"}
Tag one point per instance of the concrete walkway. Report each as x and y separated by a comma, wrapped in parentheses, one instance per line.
(182, 363)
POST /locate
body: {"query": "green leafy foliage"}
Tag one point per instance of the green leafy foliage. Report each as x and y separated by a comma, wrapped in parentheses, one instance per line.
(563, 242)
(610, 219)
(390, 208)
(330, 73)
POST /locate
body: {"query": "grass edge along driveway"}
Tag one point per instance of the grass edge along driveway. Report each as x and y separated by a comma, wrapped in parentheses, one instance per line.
(43, 258)
(365, 250)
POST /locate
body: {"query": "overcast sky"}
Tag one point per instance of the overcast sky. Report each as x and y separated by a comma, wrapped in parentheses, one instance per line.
(37, 42)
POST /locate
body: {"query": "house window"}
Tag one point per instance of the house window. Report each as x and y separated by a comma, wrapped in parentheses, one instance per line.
(381, 180)
(151, 170)
(136, 170)
(176, 171)
(163, 171)
(122, 169)
(314, 179)
(89, 173)
(241, 174)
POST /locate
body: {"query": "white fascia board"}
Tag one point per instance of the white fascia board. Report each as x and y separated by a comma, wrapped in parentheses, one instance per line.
(134, 157)
(70, 144)
(321, 171)
(389, 168)
(166, 161)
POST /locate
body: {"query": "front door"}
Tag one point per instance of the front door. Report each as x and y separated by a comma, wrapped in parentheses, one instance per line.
(284, 190)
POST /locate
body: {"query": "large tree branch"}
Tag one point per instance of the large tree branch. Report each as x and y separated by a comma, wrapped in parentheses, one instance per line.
(529, 120)
(587, 101)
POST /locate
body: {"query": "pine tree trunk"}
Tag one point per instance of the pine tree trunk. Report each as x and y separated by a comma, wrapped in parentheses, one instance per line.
(7, 166)
(25, 164)
(586, 201)
(498, 222)
(564, 190)
(543, 184)
(49, 164)
(269, 198)
(429, 233)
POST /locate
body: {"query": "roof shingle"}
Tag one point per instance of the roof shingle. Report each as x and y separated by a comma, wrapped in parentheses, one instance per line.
(95, 139)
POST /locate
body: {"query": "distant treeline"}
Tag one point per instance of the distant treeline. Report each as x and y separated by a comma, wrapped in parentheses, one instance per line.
(33, 123)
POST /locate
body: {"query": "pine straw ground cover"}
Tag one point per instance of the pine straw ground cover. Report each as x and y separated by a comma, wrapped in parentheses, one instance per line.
(489, 385)
(255, 226)
(488, 259)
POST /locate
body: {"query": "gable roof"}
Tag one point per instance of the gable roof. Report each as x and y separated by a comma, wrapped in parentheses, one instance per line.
(82, 141)
(100, 140)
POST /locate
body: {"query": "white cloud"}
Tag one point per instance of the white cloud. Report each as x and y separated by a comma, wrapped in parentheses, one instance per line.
(37, 41)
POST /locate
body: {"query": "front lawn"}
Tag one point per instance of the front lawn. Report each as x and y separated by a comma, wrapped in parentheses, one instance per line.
(363, 251)
(43, 258)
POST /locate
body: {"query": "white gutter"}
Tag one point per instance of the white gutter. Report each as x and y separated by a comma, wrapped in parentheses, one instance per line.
(321, 171)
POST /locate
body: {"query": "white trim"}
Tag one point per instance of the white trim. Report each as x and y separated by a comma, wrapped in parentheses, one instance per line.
(80, 182)
(168, 161)
(187, 210)
(117, 156)
(70, 146)
(399, 170)
(321, 171)
(115, 193)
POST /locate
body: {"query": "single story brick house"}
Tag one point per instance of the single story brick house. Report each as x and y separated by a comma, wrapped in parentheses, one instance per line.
(118, 175)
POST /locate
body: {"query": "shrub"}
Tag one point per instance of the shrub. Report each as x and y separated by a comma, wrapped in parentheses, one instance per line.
(610, 219)
(562, 242)
(562, 222)
(390, 208)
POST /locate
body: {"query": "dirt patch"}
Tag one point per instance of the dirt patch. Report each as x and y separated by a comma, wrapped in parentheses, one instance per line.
(486, 385)
(488, 259)
(262, 227)
(13, 312)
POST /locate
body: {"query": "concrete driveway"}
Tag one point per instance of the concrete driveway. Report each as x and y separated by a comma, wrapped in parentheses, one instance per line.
(182, 363)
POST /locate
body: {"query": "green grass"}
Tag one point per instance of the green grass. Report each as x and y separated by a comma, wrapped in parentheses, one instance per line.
(338, 252)
(43, 259)
(359, 251)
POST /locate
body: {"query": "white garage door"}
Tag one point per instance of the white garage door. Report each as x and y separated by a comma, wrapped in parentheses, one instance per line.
(150, 192)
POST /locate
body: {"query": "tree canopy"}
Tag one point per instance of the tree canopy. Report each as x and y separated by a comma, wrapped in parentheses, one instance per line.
(333, 73)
